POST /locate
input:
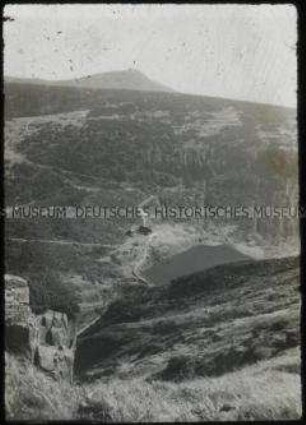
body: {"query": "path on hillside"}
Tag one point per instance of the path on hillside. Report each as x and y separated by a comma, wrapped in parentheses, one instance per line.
(61, 242)
(87, 326)
(136, 274)
(137, 268)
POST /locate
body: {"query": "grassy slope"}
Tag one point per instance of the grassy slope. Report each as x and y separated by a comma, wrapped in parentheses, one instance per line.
(206, 324)
(184, 330)
(149, 141)
(31, 395)
(108, 147)
(267, 390)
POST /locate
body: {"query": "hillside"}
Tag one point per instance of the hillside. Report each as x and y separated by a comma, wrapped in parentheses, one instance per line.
(118, 80)
(180, 323)
(189, 350)
(197, 325)
(75, 146)
(97, 145)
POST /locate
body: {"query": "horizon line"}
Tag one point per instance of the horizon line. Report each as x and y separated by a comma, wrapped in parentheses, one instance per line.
(294, 107)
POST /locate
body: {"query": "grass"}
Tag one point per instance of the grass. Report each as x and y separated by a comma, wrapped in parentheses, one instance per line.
(213, 356)
(202, 316)
(267, 390)
(173, 334)
(31, 395)
(257, 392)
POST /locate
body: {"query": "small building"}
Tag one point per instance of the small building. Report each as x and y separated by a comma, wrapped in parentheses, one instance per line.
(144, 230)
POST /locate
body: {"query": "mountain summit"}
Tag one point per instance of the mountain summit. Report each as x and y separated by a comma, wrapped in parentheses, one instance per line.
(130, 79)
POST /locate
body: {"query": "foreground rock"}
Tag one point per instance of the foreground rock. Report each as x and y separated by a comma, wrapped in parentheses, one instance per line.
(47, 340)
(18, 317)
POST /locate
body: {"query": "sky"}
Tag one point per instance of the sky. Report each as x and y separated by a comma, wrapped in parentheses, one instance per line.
(242, 52)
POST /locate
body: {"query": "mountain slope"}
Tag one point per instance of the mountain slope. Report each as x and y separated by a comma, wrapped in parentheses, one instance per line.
(206, 324)
(67, 146)
(150, 347)
(116, 80)
(84, 146)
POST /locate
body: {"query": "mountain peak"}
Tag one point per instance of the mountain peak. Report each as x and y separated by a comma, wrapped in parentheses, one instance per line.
(127, 79)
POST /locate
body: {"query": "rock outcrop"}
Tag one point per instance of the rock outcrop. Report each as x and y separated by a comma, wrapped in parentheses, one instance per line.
(48, 340)
(17, 315)
(54, 345)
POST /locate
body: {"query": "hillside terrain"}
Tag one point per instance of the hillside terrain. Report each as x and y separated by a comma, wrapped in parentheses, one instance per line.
(197, 325)
(189, 350)
(185, 318)
(110, 147)
(130, 79)
(217, 345)
(75, 146)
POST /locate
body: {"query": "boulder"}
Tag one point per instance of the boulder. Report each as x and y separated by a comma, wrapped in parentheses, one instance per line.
(44, 358)
(56, 362)
(54, 329)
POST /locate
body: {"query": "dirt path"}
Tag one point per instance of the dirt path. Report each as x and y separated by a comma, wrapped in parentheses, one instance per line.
(87, 326)
(61, 242)
(142, 260)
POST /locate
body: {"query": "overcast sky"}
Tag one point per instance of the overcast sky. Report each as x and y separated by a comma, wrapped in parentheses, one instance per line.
(242, 52)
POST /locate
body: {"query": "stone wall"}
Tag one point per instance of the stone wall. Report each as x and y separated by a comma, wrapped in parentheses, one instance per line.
(48, 340)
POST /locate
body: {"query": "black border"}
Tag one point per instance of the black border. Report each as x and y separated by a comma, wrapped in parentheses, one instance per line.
(301, 113)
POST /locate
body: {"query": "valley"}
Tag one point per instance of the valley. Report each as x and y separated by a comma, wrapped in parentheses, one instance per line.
(181, 318)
